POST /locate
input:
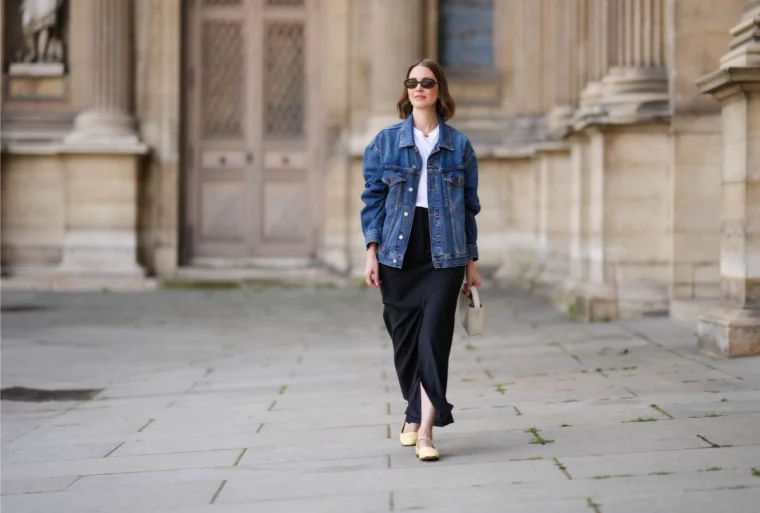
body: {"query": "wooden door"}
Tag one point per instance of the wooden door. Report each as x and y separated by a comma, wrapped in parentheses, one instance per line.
(252, 158)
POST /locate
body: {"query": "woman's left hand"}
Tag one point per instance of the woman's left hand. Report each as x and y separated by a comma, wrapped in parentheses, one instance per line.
(472, 278)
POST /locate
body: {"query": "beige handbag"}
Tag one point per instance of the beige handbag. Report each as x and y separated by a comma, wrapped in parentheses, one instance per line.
(471, 312)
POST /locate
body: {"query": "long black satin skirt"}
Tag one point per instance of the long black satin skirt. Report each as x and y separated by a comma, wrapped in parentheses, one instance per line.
(419, 311)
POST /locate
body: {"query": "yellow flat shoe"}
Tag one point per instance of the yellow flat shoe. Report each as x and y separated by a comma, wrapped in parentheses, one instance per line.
(407, 439)
(426, 453)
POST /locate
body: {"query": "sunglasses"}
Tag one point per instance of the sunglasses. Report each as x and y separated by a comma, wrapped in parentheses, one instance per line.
(427, 83)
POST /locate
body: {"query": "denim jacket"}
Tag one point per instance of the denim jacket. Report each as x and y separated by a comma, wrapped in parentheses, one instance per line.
(391, 169)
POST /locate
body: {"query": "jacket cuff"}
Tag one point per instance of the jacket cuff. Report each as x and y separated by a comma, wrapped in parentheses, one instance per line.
(370, 237)
(472, 251)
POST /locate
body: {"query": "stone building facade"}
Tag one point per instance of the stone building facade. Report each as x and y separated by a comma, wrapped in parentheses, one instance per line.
(618, 141)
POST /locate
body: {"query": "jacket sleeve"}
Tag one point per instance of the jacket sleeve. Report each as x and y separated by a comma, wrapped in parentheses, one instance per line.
(374, 195)
(471, 201)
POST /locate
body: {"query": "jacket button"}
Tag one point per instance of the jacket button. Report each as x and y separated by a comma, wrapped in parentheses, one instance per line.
(394, 260)
(411, 189)
(406, 214)
(414, 166)
(400, 237)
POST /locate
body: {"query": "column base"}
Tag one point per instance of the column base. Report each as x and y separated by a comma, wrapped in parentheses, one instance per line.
(107, 129)
(550, 282)
(591, 95)
(101, 220)
(590, 109)
(635, 94)
(559, 118)
(102, 253)
(588, 302)
(730, 332)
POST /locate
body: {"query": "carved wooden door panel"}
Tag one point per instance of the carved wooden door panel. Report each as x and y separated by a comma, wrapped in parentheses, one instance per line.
(250, 140)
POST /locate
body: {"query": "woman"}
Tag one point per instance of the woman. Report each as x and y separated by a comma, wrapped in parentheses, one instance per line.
(419, 227)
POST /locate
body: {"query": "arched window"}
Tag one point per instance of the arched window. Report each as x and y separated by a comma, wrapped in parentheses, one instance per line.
(465, 35)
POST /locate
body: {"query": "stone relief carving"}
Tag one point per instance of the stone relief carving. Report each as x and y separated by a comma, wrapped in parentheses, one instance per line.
(41, 26)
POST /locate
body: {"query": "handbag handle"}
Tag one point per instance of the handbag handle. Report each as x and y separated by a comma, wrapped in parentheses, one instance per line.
(475, 298)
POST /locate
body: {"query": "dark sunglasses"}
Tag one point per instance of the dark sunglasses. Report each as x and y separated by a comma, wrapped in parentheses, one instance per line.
(427, 83)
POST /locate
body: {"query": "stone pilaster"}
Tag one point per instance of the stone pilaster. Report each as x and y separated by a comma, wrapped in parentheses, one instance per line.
(397, 28)
(103, 155)
(579, 206)
(636, 87)
(732, 328)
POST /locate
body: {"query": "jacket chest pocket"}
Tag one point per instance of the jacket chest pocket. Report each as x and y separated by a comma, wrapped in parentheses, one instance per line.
(453, 181)
(395, 179)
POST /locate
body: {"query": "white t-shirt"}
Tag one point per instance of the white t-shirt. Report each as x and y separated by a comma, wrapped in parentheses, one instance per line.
(424, 145)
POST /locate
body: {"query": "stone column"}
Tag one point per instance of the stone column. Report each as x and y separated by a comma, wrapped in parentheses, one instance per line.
(103, 155)
(732, 328)
(528, 66)
(396, 27)
(565, 29)
(595, 53)
(109, 119)
(636, 86)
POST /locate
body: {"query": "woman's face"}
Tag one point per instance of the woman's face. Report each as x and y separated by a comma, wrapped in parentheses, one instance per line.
(420, 97)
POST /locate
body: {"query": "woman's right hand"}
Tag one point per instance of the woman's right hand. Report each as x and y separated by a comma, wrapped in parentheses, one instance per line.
(371, 268)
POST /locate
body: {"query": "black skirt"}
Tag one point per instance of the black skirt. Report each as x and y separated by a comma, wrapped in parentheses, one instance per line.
(419, 311)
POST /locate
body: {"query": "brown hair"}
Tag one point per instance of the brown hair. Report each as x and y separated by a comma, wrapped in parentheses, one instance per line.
(445, 105)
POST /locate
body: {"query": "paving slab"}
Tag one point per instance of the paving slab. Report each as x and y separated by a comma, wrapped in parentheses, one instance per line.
(126, 500)
(25, 485)
(286, 400)
(121, 464)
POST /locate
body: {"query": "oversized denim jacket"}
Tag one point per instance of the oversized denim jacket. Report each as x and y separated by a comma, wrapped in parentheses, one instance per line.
(392, 172)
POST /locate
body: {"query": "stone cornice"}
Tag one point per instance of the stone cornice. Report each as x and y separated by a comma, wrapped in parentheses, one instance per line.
(21, 147)
(726, 82)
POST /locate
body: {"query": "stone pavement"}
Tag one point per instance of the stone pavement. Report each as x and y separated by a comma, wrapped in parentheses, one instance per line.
(286, 401)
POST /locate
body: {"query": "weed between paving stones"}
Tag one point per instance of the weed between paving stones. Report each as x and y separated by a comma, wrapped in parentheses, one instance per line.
(671, 417)
(538, 439)
(641, 419)
(563, 468)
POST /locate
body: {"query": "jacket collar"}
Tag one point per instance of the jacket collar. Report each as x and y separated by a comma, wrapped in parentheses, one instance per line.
(406, 138)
